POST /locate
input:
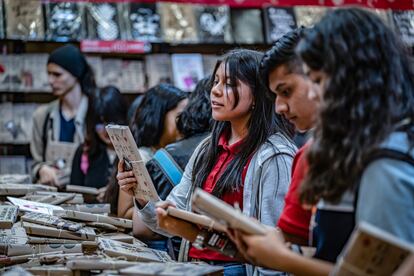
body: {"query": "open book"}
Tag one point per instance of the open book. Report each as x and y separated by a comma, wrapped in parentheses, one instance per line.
(372, 251)
(127, 150)
(224, 213)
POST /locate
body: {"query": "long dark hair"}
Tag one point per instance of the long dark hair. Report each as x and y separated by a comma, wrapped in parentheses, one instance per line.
(370, 89)
(106, 106)
(196, 117)
(243, 65)
(148, 124)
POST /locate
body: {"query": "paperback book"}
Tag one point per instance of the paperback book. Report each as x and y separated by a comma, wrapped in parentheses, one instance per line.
(372, 251)
(127, 150)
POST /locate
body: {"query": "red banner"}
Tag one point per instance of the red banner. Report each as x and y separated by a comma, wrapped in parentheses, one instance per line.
(116, 46)
(379, 4)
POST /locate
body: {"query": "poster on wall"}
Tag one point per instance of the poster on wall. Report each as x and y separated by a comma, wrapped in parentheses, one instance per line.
(278, 21)
(143, 22)
(65, 21)
(213, 23)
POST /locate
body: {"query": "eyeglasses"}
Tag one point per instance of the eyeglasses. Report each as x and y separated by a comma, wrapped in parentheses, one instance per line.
(100, 127)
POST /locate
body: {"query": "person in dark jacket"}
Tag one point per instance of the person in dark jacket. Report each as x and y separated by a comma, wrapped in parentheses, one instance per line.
(194, 124)
(93, 160)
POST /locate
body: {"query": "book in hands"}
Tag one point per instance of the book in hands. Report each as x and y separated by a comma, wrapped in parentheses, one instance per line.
(225, 214)
(127, 150)
(201, 220)
(372, 251)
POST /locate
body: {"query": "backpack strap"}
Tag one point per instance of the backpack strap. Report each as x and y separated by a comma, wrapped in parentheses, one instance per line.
(379, 154)
(168, 165)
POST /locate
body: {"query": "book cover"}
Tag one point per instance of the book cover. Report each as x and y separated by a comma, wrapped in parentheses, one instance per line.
(132, 79)
(132, 252)
(173, 269)
(404, 25)
(307, 16)
(143, 22)
(21, 189)
(278, 21)
(127, 150)
(52, 221)
(81, 189)
(372, 251)
(103, 21)
(246, 25)
(13, 236)
(224, 213)
(24, 19)
(158, 68)
(65, 21)
(98, 263)
(187, 70)
(111, 72)
(178, 22)
(213, 23)
(34, 73)
(8, 216)
(22, 124)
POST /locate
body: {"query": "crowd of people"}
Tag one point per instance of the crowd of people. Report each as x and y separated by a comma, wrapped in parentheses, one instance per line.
(347, 82)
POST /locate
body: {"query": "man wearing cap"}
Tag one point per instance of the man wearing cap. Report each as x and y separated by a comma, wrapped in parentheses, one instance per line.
(58, 127)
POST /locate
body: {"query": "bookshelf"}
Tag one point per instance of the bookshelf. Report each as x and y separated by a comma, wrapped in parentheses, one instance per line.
(245, 24)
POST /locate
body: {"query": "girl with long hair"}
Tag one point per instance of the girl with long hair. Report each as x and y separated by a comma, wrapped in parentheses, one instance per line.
(153, 127)
(361, 162)
(245, 161)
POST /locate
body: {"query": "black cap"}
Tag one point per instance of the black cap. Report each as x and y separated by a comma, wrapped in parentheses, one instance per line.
(69, 58)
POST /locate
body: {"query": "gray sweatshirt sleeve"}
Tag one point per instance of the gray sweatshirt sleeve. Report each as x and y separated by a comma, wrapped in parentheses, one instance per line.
(275, 180)
(180, 196)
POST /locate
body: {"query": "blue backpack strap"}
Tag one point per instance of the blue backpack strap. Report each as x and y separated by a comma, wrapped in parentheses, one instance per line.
(169, 166)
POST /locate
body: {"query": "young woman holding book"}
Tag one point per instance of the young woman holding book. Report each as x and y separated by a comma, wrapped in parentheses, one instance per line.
(153, 127)
(246, 161)
(361, 162)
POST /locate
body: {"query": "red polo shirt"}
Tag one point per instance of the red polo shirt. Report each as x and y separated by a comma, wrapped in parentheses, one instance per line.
(294, 219)
(226, 154)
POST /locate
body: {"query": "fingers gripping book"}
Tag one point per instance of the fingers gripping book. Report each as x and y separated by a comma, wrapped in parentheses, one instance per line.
(225, 214)
(127, 150)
